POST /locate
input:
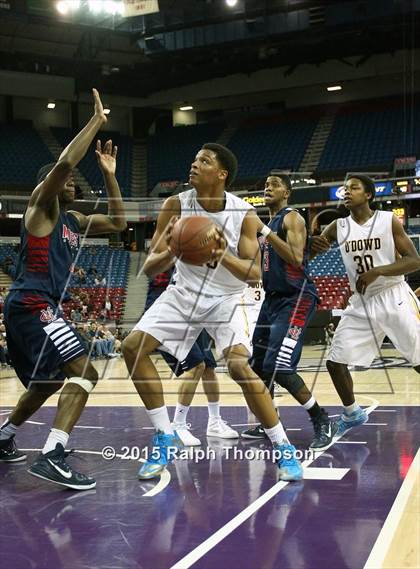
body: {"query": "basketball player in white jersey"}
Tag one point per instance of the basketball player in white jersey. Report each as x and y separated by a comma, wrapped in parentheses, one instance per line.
(377, 253)
(205, 297)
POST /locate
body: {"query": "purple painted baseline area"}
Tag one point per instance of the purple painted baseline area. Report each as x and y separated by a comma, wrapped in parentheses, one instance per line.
(315, 524)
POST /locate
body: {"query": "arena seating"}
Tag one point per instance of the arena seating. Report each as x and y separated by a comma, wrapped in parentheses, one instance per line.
(328, 272)
(370, 135)
(89, 166)
(22, 152)
(271, 142)
(113, 264)
(171, 151)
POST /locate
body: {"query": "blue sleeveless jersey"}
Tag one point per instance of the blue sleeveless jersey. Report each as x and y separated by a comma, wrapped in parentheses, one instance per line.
(279, 276)
(45, 263)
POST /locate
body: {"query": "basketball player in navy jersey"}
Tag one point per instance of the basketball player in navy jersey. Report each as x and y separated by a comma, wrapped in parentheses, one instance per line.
(290, 302)
(44, 348)
(204, 297)
(376, 252)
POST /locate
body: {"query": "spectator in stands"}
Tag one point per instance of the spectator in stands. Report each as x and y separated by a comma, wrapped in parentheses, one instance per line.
(109, 341)
(1, 301)
(80, 275)
(93, 271)
(329, 333)
(76, 315)
(108, 307)
(102, 315)
(96, 338)
(3, 351)
(100, 281)
(82, 330)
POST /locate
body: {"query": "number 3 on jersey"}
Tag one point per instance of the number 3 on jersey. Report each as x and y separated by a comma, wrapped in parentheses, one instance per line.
(364, 263)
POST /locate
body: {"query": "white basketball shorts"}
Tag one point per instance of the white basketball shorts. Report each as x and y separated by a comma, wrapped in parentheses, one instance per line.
(394, 312)
(179, 315)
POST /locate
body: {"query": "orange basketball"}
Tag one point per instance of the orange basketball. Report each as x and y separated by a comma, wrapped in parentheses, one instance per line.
(193, 239)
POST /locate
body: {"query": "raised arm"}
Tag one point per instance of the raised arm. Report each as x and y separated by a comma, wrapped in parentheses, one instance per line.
(46, 192)
(160, 258)
(247, 267)
(409, 260)
(115, 219)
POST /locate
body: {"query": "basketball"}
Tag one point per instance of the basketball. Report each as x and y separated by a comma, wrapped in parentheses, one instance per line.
(193, 239)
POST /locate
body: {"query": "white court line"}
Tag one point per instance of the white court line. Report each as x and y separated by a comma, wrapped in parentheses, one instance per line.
(204, 547)
(34, 423)
(6, 412)
(86, 427)
(374, 425)
(244, 424)
(351, 442)
(384, 411)
(235, 522)
(384, 539)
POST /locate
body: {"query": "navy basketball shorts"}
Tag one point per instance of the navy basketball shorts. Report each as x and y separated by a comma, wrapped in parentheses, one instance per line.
(278, 336)
(39, 340)
(200, 352)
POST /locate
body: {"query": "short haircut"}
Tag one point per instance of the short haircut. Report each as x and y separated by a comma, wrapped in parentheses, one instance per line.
(226, 158)
(44, 171)
(284, 178)
(367, 183)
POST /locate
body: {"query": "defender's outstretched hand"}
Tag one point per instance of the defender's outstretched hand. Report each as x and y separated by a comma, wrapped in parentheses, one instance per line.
(99, 109)
(106, 156)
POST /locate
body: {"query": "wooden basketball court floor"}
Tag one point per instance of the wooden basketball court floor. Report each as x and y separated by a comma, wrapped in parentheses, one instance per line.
(359, 505)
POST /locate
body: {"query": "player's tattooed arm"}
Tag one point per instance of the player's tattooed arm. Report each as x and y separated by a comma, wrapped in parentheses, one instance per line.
(321, 243)
(115, 220)
(247, 267)
(408, 261)
(160, 258)
(292, 250)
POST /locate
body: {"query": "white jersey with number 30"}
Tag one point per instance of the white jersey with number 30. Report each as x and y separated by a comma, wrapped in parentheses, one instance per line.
(366, 246)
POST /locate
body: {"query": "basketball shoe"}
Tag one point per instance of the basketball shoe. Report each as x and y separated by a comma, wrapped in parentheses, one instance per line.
(53, 467)
(289, 466)
(325, 430)
(347, 422)
(255, 433)
(9, 451)
(183, 430)
(163, 453)
(217, 427)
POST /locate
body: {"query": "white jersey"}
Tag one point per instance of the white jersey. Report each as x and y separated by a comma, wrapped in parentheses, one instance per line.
(252, 299)
(366, 246)
(216, 281)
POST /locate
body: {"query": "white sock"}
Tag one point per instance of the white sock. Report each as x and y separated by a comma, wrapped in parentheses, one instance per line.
(277, 434)
(160, 420)
(309, 403)
(55, 436)
(349, 409)
(7, 430)
(181, 413)
(214, 410)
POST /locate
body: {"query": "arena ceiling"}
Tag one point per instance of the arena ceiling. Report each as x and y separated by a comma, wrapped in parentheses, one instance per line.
(138, 56)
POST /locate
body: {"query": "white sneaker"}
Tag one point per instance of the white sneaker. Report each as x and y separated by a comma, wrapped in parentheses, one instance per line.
(184, 433)
(216, 427)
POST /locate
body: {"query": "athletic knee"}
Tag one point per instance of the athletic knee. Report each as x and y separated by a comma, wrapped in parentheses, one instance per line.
(198, 370)
(135, 346)
(239, 370)
(417, 369)
(335, 367)
(290, 381)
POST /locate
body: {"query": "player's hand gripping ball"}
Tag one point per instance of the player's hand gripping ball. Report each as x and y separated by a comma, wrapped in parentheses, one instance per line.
(193, 239)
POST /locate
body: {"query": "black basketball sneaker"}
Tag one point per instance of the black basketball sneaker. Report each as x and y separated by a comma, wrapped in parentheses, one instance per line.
(255, 433)
(53, 467)
(325, 430)
(9, 451)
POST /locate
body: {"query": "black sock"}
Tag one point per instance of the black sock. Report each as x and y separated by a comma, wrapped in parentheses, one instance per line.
(315, 411)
